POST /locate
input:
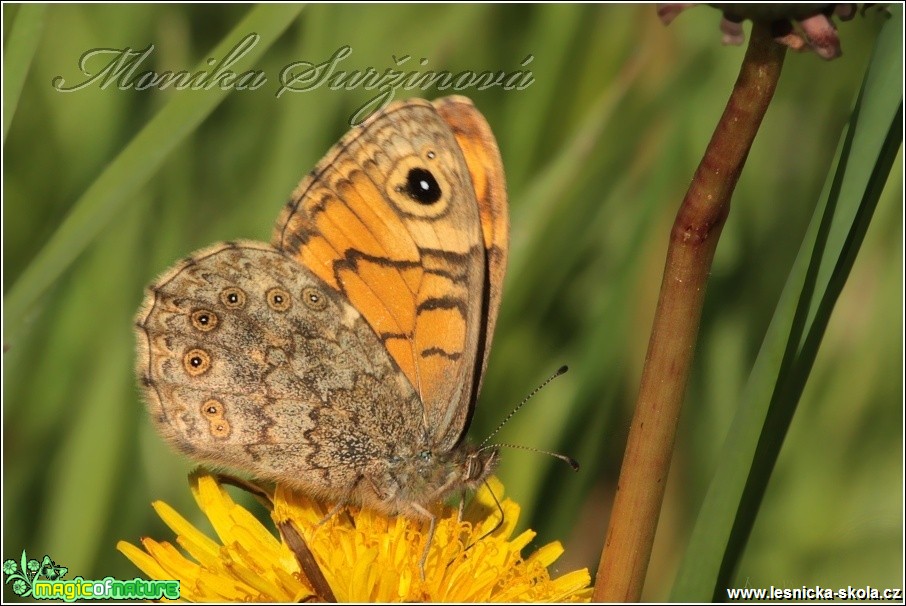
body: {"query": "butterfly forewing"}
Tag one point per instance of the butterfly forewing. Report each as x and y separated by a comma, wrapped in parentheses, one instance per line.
(482, 156)
(390, 220)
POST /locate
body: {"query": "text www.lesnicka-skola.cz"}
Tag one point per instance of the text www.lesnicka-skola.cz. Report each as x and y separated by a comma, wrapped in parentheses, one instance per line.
(817, 592)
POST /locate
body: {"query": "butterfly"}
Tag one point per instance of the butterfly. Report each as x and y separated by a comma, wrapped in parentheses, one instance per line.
(51, 571)
(345, 357)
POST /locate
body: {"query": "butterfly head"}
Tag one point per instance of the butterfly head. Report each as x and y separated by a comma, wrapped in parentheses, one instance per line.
(466, 468)
(430, 476)
(479, 465)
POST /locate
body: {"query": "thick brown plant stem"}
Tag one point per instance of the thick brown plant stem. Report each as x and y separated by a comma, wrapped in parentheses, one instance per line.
(693, 239)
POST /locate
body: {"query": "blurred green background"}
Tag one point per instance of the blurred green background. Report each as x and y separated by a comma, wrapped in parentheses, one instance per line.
(598, 153)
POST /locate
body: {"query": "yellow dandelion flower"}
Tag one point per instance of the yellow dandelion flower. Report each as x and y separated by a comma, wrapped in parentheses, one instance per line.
(354, 555)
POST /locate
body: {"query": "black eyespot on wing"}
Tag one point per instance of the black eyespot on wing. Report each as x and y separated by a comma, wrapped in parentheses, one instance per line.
(422, 187)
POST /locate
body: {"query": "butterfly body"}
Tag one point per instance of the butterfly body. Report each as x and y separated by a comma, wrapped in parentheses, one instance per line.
(345, 357)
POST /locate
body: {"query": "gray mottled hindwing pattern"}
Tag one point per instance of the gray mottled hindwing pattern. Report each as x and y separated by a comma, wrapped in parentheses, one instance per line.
(249, 361)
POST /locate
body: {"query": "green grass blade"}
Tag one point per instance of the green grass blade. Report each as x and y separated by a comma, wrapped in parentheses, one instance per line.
(838, 226)
(23, 41)
(135, 164)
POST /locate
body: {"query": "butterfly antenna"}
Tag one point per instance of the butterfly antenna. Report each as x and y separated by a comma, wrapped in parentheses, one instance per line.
(566, 459)
(560, 371)
(484, 445)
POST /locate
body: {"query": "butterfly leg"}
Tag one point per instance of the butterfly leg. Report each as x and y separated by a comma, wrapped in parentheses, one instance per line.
(462, 506)
(499, 522)
(334, 511)
(432, 521)
(499, 509)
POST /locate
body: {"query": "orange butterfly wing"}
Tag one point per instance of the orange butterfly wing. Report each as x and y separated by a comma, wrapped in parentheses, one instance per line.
(482, 156)
(406, 216)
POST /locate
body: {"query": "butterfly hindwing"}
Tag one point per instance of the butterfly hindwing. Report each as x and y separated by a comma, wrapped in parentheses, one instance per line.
(248, 361)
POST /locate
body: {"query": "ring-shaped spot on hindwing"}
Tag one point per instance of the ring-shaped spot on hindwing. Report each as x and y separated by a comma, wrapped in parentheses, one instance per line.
(212, 408)
(220, 428)
(233, 297)
(314, 299)
(196, 362)
(204, 320)
(278, 299)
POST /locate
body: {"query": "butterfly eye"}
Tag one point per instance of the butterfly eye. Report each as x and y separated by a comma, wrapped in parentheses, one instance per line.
(232, 297)
(196, 362)
(422, 187)
(314, 299)
(278, 299)
(204, 320)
